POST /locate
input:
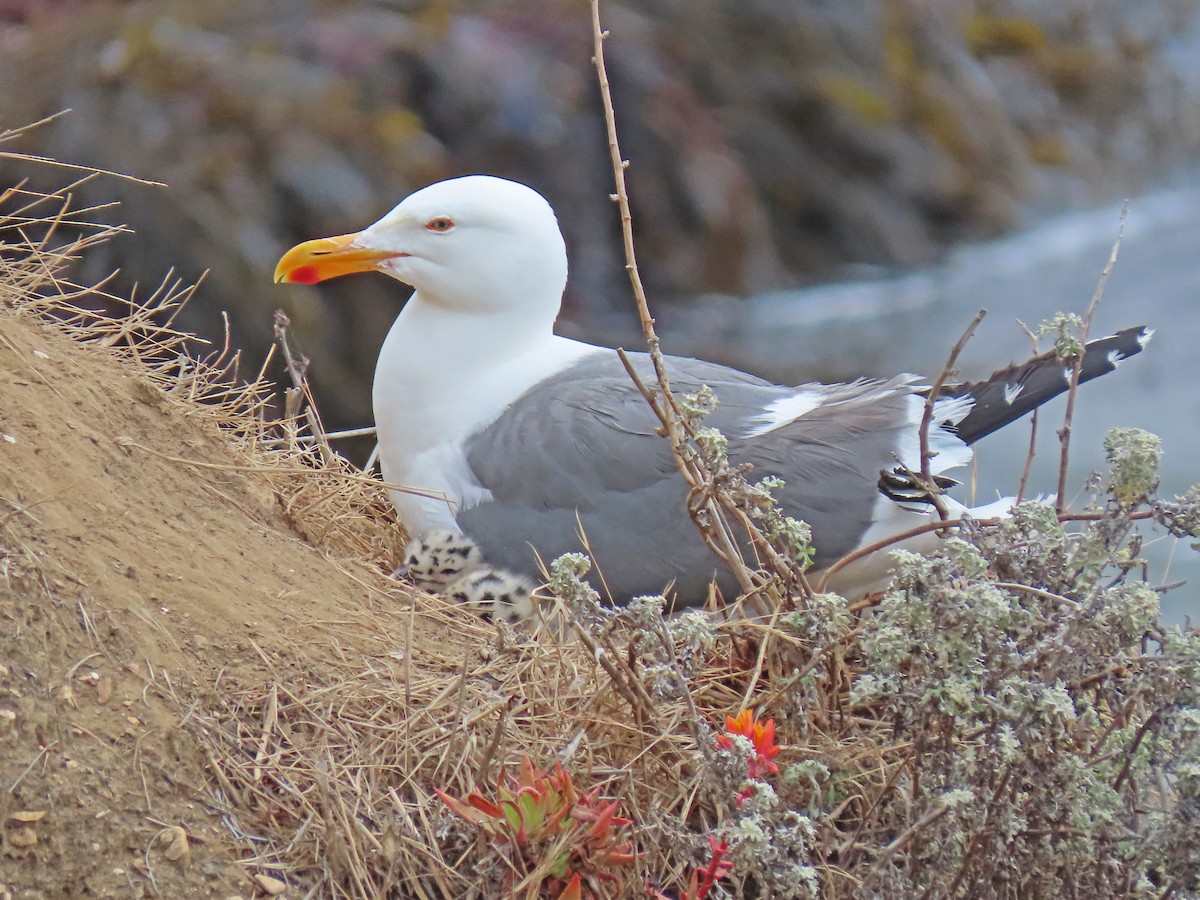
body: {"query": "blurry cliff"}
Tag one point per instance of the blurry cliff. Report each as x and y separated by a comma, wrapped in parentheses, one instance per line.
(775, 142)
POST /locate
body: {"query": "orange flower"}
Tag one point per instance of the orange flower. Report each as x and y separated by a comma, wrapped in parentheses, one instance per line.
(760, 734)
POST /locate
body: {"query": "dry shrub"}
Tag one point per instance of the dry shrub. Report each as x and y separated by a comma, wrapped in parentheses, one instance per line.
(1007, 720)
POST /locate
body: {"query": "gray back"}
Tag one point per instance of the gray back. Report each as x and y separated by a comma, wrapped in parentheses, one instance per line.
(581, 449)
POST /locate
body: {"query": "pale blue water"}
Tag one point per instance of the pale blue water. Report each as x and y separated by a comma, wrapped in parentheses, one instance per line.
(907, 322)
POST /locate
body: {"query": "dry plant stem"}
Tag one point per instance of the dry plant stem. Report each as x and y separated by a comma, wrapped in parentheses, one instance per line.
(9, 134)
(365, 431)
(1064, 433)
(1033, 422)
(1001, 787)
(297, 368)
(872, 805)
(717, 537)
(1120, 720)
(664, 640)
(129, 443)
(671, 416)
(1027, 470)
(927, 415)
(663, 403)
(760, 661)
(1151, 720)
(587, 548)
(1037, 592)
(702, 498)
(916, 828)
(858, 554)
(919, 530)
(631, 689)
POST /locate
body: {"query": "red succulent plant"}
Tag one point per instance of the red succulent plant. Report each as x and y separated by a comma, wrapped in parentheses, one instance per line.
(760, 734)
(551, 835)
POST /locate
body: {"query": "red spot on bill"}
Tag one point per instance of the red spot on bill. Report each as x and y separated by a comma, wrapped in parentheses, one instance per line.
(304, 275)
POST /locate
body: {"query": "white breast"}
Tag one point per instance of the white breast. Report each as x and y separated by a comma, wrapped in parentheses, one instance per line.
(439, 380)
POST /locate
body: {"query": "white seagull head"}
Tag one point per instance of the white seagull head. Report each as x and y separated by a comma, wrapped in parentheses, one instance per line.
(475, 245)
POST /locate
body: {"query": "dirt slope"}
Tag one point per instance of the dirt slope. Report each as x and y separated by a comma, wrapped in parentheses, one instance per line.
(128, 579)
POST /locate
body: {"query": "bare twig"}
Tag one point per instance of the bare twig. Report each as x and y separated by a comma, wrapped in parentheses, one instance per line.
(1130, 753)
(44, 751)
(669, 412)
(851, 558)
(1064, 433)
(926, 528)
(297, 368)
(1030, 454)
(1033, 423)
(709, 502)
(9, 134)
(912, 831)
(926, 475)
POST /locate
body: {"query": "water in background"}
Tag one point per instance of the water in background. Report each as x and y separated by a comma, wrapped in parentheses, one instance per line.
(908, 322)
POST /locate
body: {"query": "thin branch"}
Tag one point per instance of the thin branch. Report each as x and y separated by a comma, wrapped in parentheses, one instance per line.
(1027, 470)
(671, 416)
(904, 839)
(703, 483)
(855, 556)
(851, 558)
(49, 161)
(1151, 720)
(1064, 433)
(1033, 422)
(927, 482)
(297, 367)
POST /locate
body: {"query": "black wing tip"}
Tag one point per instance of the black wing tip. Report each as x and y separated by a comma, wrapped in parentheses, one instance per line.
(1140, 333)
(1010, 393)
(1116, 348)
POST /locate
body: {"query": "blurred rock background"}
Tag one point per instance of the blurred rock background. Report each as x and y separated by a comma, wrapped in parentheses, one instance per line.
(776, 143)
(879, 148)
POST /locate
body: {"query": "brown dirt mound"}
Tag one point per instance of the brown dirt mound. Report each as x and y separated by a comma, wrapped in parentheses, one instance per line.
(145, 560)
(142, 558)
(126, 572)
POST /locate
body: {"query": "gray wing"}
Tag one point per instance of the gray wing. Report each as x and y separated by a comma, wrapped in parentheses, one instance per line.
(581, 449)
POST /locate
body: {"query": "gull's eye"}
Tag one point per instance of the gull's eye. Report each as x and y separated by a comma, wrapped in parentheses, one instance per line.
(440, 225)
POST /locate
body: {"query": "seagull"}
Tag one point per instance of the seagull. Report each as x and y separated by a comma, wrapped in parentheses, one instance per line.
(529, 445)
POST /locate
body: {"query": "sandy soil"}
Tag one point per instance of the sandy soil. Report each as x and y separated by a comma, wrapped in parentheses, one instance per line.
(131, 583)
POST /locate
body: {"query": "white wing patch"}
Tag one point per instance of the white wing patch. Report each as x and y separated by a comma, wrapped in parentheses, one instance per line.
(1012, 392)
(784, 411)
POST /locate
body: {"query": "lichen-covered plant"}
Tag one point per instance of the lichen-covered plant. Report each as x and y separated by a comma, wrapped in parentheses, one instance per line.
(1008, 720)
(1045, 724)
(552, 839)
